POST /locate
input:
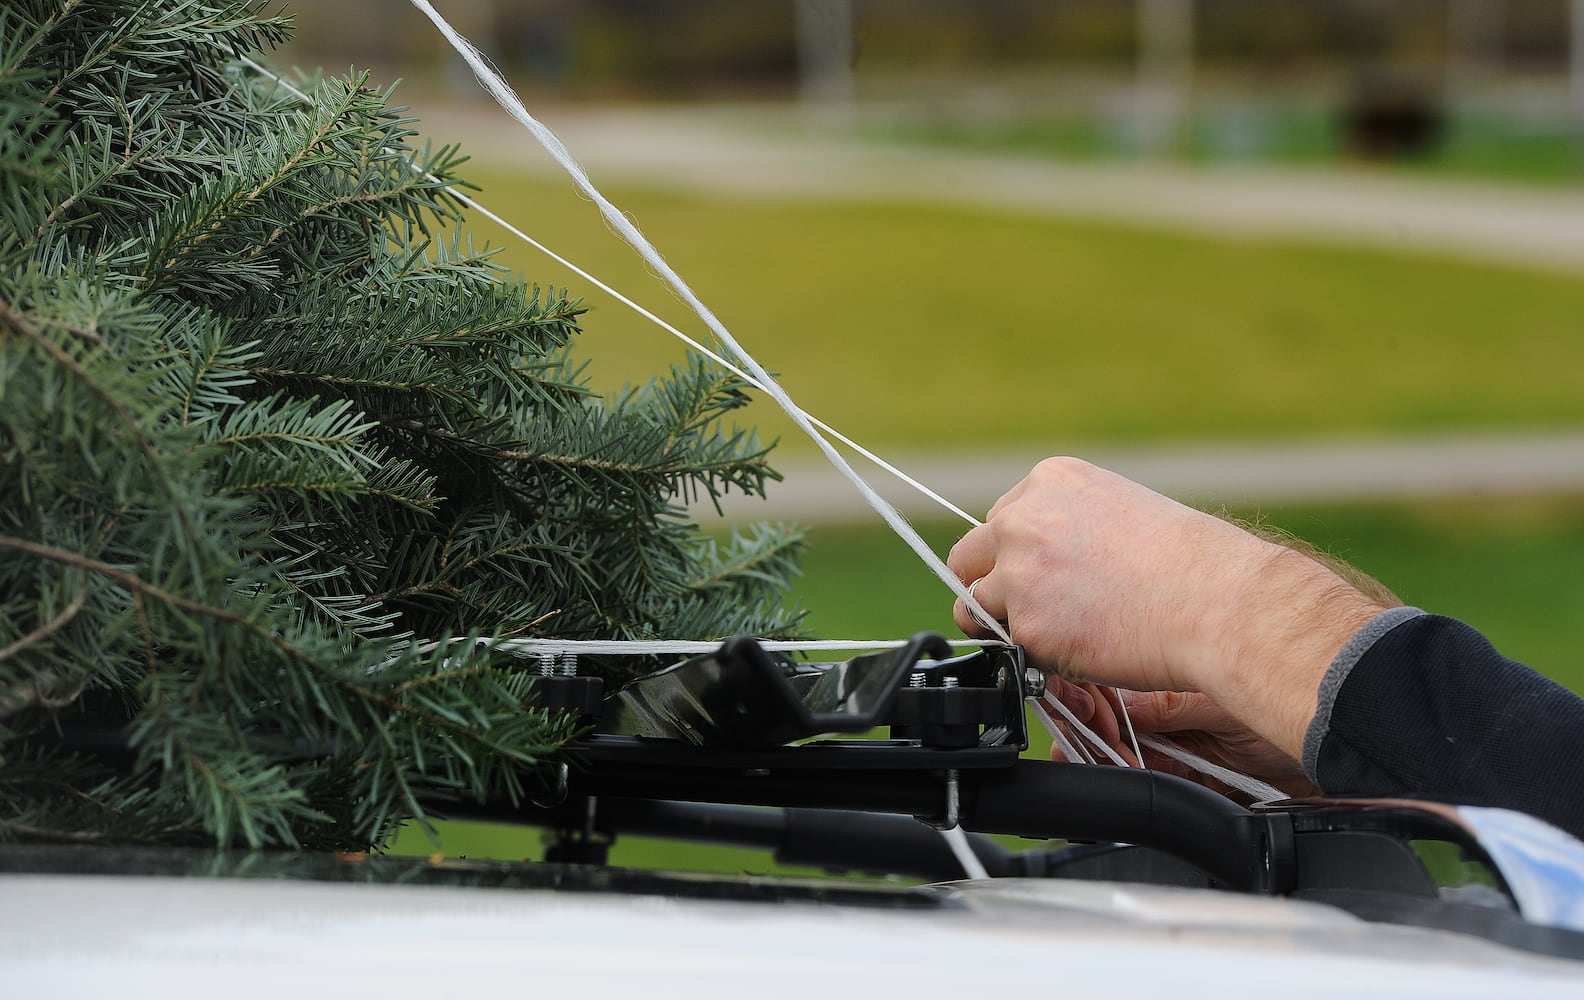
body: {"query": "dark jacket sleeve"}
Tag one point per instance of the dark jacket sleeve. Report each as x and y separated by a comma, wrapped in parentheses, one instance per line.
(1432, 710)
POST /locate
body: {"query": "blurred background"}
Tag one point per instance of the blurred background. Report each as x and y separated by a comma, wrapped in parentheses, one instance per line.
(1312, 262)
(1472, 86)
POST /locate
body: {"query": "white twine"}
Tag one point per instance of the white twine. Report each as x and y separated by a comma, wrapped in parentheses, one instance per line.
(619, 223)
(957, 840)
(1127, 718)
(689, 647)
(760, 379)
(1073, 753)
(476, 206)
(1084, 731)
(1256, 789)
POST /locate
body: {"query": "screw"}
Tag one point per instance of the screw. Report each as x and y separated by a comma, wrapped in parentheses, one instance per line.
(1033, 682)
(918, 679)
(949, 682)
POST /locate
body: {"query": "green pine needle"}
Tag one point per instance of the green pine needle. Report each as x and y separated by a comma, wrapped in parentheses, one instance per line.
(267, 425)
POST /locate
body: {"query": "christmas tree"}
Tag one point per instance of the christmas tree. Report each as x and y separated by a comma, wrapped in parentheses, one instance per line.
(268, 426)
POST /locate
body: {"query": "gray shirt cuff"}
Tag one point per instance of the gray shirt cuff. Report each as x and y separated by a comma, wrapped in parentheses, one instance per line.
(1337, 674)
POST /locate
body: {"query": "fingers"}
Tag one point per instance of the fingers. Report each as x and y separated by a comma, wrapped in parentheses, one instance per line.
(1175, 712)
(972, 559)
(1076, 696)
(1009, 497)
(1098, 709)
(986, 593)
(974, 554)
(1083, 745)
(1105, 719)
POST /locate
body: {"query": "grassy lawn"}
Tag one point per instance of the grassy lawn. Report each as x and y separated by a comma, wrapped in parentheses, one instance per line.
(929, 327)
(1474, 146)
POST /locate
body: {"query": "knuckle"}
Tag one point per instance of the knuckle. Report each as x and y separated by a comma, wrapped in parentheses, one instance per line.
(1057, 468)
(1064, 466)
(1174, 706)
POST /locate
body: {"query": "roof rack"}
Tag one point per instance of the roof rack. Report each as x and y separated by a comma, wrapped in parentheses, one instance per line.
(698, 750)
(750, 747)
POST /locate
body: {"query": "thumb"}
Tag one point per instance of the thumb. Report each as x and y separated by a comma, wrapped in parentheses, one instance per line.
(1173, 711)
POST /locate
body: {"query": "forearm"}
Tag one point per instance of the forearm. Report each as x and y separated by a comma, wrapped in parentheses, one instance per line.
(1283, 630)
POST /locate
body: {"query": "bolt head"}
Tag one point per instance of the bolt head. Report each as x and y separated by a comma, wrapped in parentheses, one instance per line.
(1033, 682)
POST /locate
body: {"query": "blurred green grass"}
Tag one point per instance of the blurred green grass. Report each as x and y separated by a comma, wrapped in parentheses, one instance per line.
(1474, 145)
(927, 327)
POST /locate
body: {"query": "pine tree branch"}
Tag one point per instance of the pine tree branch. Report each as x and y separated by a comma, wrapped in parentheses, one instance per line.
(87, 334)
(131, 581)
(748, 563)
(529, 625)
(82, 192)
(205, 364)
(142, 588)
(19, 323)
(345, 432)
(584, 462)
(292, 437)
(442, 587)
(133, 33)
(87, 64)
(347, 380)
(43, 32)
(190, 237)
(324, 208)
(67, 835)
(43, 632)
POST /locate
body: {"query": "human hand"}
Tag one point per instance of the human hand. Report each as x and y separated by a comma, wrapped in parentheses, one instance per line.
(1190, 720)
(1100, 578)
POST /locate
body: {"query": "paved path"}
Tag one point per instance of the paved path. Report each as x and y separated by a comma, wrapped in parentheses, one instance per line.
(759, 153)
(1206, 475)
(770, 152)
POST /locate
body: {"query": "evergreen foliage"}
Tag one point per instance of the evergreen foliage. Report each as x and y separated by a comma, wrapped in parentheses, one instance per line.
(264, 429)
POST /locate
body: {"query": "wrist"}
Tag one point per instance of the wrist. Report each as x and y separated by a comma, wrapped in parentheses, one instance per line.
(1277, 638)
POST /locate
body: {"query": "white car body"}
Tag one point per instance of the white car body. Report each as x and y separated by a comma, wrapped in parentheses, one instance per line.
(73, 936)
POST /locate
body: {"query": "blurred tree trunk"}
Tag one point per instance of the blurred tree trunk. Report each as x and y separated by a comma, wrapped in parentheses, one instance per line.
(1472, 29)
(1576, 64)
(825, 58)
(474, 19)
(1165, 72)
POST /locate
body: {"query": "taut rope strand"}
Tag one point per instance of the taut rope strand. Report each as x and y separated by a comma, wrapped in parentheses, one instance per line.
(477, 206)
(757, 377)
(623, 227)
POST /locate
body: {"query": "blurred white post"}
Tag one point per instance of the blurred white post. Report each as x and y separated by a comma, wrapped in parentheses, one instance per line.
(1576, 63)
(474, 19)
(825, 58)
(1165, 72)
(1471, 29)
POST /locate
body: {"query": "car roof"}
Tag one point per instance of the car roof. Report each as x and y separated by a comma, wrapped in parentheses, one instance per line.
(176, 937)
